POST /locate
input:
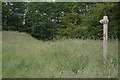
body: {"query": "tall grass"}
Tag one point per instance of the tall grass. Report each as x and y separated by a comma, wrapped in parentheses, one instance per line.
(26, 57)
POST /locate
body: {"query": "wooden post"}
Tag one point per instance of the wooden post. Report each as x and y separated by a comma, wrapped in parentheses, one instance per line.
(105, 21)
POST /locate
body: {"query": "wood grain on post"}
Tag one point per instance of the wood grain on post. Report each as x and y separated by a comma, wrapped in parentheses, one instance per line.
(105, 21)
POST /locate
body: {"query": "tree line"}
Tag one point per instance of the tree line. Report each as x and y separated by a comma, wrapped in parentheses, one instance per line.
(55, 20)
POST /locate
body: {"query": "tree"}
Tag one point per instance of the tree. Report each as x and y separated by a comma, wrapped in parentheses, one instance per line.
(71, 19)
(12, 15)
(95, 13)
(74, 20)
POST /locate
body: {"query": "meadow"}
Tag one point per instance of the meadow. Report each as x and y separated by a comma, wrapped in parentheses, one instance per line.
(26, 57)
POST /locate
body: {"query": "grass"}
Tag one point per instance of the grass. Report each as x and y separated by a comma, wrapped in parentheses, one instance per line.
(26, 57)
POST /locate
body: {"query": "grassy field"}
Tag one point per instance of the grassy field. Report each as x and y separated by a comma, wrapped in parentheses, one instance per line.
(26, 57)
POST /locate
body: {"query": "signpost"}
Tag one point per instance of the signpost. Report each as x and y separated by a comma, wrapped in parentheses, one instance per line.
(105, 21)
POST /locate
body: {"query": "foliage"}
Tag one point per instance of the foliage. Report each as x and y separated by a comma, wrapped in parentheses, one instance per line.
(45, 21)
(96, 13)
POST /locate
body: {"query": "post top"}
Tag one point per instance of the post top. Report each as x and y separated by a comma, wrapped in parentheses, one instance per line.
(105, 17)
(104, 20)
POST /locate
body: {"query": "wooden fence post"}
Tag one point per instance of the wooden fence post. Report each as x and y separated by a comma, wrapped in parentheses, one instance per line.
(105, 21)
